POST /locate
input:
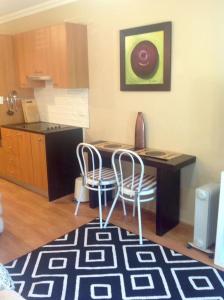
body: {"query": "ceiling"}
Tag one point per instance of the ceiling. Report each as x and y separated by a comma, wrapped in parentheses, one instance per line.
(14, 9)
(10, 6)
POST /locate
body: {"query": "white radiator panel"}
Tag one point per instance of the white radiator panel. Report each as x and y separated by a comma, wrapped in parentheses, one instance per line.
(206, 211)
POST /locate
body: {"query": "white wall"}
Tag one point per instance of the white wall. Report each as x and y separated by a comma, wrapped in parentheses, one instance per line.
(63, 106)
(187, 119)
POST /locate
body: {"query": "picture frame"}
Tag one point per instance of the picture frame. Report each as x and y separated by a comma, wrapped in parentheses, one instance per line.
(145, 58)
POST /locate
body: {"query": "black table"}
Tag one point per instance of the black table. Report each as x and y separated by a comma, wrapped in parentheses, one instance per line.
(168, 187)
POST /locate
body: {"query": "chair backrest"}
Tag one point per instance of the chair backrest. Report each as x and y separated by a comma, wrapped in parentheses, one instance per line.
(94, 161)
(135, 174)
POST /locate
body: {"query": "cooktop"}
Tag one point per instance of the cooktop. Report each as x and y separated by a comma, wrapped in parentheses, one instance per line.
(41, 127)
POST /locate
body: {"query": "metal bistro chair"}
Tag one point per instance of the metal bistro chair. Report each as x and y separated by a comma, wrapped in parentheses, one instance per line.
(135, 187)
(99, 179)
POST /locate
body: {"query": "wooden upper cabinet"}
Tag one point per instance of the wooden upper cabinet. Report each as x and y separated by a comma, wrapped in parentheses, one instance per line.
(59, 51)
(41, 55)
(24, 44)
(69, 55)
(7, 63)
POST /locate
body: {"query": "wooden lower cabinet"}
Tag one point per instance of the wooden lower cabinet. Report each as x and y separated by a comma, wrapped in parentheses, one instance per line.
(46, 163)
(24, 157)
(38, 150)
(10, 157)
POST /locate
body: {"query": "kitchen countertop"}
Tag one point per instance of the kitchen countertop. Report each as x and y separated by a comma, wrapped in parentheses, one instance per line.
(40, 127)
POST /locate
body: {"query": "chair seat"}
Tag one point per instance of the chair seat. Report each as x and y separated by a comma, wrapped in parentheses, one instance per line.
(99, 180)
(107, 177)
(148, 185)
(136, 187)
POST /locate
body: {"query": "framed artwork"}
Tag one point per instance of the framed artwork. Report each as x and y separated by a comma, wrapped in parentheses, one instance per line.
(145, 58)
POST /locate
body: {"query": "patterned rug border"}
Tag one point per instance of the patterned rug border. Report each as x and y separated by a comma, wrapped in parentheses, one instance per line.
(93, 263)
(96, 219)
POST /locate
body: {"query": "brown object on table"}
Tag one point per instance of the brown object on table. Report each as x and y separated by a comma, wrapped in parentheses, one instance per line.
(144, 59)
(139, 132)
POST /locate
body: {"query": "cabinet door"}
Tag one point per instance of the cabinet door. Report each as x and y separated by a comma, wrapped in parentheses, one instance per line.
(69, 57)
(24, 44)
(39, 161)
(7, 68)
(78, 55)
(25, 156)
(24, 47)
(10, 153)
(59, 56)
(42, 55)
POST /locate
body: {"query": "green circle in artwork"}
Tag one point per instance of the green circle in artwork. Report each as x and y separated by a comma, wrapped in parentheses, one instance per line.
(152, 75)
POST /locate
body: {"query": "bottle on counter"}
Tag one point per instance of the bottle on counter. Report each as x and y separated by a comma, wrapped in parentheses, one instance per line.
(139, 132)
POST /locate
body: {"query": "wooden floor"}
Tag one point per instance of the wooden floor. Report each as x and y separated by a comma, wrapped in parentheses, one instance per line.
(32, 221)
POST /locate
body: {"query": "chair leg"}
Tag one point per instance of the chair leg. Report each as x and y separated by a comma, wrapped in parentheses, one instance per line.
(105, 198)
(100, 207)
(134, 207)
(78, 200)
(124, 207)
(139, 221)
(111, 209)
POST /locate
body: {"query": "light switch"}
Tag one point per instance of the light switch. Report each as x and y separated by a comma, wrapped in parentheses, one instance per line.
(1, 99)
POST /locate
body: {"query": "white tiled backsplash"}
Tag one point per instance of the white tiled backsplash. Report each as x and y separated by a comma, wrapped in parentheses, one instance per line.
(63, 106)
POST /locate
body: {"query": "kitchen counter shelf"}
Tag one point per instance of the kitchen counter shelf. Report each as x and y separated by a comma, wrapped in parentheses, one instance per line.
(40, 127)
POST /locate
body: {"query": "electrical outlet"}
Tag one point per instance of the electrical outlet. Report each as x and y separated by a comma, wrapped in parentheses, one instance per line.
(1, 99)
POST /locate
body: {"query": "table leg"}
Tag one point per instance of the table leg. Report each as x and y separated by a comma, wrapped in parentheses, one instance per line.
(168, 200)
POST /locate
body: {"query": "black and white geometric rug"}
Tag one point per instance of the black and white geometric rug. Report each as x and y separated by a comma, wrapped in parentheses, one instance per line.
(93, 263)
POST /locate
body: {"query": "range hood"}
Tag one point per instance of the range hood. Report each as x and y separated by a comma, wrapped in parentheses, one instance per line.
(39, 77)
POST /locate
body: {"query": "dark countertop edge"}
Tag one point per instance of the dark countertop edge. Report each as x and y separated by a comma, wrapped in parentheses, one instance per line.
(39, 132)
(173, 164)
